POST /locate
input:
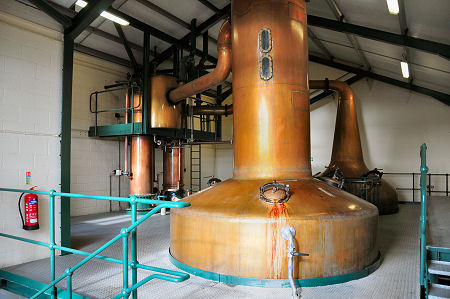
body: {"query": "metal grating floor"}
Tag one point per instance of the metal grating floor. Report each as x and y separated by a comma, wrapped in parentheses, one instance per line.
(397, 277)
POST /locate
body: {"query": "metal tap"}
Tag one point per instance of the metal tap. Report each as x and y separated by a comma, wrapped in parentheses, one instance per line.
(288, 233)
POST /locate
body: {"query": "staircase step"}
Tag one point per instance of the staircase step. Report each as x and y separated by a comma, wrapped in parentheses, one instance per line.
(438, 291)
(439, 267)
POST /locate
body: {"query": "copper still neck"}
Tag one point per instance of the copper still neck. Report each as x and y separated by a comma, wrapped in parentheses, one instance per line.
(270, 89)
(347, 143)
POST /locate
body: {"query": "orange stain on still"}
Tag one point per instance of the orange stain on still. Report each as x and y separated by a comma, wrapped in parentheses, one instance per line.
(278, 215)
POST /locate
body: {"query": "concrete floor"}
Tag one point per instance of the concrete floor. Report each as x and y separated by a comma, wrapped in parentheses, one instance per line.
(397, 276)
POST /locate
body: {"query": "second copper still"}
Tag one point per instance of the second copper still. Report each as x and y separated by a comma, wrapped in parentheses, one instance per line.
(232, 231)
(347, 155)
(142, 152)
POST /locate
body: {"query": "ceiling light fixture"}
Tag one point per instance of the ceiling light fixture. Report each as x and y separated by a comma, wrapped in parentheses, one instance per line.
(105, 14)
(393, 7)
(405, 69)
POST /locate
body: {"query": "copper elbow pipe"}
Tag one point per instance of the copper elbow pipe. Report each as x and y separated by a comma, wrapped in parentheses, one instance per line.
(213, 110)
(344, 90)
(347, 143)
(214, 78)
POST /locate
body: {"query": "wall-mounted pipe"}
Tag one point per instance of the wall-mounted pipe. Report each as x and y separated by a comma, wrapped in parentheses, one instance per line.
(214, 78)
(213, 110)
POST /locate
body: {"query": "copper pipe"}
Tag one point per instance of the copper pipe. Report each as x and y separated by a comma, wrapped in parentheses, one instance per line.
(213, 110)
(214, 78)
(347, 142)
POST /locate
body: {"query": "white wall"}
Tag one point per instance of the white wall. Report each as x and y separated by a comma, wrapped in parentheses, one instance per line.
(393, 123)
(93, 159)
(30, 122)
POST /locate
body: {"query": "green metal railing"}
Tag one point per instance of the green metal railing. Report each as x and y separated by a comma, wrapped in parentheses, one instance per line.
(164, 274)
(94, 96)
(423, 217)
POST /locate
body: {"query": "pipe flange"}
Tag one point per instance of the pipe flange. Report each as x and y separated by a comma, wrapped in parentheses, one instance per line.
(279, 194)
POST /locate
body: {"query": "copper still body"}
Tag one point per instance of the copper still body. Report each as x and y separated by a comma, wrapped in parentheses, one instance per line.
(173, 167)
(233, 229)
(142, 152)
(347, 153)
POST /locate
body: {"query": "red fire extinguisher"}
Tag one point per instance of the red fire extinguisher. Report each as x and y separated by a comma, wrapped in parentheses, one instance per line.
(31, 221)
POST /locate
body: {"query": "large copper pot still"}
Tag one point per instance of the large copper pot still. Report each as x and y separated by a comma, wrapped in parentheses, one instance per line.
(228, 229)
(347, 153)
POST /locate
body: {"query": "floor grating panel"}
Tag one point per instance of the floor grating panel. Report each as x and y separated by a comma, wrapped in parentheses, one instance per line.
(397, 276)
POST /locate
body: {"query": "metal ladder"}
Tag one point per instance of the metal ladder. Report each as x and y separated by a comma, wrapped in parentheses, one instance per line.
(196, 167)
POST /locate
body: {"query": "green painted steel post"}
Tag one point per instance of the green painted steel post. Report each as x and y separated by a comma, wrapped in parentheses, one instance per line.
(145, 82)
(69, 283)
(66, 137)
(133, 245)
(52, 240)
(124, 233)
(423, 213)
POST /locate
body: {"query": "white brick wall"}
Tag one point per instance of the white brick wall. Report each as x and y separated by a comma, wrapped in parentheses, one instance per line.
(29, 126)
(93, 159)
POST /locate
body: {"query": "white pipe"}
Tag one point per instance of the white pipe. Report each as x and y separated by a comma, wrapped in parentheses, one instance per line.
(288, 233)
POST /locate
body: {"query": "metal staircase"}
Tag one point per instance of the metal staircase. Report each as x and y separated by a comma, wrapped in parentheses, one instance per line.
(434, 240)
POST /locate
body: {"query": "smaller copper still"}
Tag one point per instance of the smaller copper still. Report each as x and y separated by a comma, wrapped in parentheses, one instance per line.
(173, 167)
(347, 156)
(142, 155)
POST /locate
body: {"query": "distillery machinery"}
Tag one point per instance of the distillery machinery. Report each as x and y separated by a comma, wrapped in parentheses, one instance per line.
(232, 232)
(154, 116)
(347, 157)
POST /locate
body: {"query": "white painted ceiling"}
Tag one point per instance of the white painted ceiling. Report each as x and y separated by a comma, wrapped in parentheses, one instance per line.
(425, 19)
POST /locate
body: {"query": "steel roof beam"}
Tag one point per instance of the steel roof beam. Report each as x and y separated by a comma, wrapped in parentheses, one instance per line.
(199, 30)
(52, 12)
(383, 36)
(209, 5)
(127, 47)
(86, 16)
(168, 15)
(340, 16)
(440, 96)
(102, 55)
(319, 44)
(404, 31)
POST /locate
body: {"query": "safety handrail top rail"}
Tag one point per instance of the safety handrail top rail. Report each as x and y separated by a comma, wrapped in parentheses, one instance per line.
(168, 275)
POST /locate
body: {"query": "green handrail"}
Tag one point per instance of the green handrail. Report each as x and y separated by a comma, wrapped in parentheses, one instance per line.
(423, 215)
(168, 275)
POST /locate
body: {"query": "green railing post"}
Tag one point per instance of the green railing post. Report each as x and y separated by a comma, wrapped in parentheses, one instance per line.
(69, 283)
(52, 240)
(423, 214)
(124, 234)
(164, 274)
(134, 261)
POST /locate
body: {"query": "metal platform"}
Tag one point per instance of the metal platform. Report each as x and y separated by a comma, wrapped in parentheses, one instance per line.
(136, 129)
(397, 276)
